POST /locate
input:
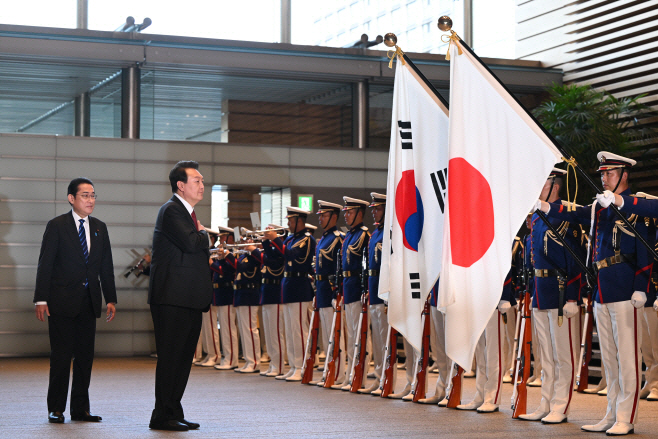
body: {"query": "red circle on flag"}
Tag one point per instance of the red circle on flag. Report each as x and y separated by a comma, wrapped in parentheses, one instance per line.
(471, 213)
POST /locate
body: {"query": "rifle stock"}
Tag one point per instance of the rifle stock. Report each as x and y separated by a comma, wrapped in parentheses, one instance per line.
(455, 397)
(360, 351)
(582, 379)
(388, 382)
(311, 346)
(421, 376)
(333, 368)
(519, 405)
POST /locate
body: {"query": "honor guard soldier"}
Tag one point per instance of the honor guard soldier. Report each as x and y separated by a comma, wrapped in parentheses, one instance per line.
(326, 257)
(647, 206)
(223, 269)
(377, 308)
(296, 289)
(246, 300)
(623, 267)
(209, 331)
(489, 376)
(355, 243)
(270, 301)
(555, 273)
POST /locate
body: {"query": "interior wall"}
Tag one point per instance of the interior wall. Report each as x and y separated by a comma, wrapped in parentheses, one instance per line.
(130, 178)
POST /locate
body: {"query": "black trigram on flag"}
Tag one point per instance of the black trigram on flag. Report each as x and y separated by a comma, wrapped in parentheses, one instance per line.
(405, 134)
(440, 185)
(415, 285)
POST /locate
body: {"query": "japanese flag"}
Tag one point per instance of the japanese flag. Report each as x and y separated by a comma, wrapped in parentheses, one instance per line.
(499, 160)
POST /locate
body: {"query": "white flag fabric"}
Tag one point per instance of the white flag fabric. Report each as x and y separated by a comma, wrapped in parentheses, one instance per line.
(499, 161)
(416, 190)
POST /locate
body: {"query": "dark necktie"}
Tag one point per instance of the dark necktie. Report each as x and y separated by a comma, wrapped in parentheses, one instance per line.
(83, 239)
(196, 223)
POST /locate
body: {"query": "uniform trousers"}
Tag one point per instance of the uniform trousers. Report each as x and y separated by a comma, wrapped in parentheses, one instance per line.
(326, 320)
(559, 354)
(71, 339)
(352, 312)
(536, 351)
(354, 347)
(409, 361)
(510, 333)
(439, 349)
(650, 348)
(295, 319)
(620, 338)
(489, 362)
(248, 324)
(229, 335)
(273, 332)
(379, 326)
(210, 334)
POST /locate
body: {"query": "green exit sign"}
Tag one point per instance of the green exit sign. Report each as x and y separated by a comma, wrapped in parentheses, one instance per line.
(305, 202)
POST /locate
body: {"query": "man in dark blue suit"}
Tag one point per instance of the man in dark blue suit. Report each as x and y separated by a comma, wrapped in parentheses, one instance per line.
(75, 267)
(180, 290)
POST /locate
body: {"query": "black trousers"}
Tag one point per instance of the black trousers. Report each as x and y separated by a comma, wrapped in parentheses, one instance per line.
(71, 339)
(177, 332)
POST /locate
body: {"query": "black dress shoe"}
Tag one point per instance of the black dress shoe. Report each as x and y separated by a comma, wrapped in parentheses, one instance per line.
(87, 417)
(168, 425)
(56, 417)
(190, 425)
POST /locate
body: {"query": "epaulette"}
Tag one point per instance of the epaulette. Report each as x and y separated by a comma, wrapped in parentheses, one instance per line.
(364, 228)
(337, 233)
(516, 238)
(307, 234)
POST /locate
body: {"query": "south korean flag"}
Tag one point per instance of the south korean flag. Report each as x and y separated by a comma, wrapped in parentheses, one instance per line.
(416, 189)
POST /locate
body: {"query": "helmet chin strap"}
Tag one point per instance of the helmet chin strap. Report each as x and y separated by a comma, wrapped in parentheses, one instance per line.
(619, 182)
(550, 190)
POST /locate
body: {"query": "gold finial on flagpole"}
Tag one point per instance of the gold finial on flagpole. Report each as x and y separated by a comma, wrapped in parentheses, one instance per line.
(391, 40)
(445, 23)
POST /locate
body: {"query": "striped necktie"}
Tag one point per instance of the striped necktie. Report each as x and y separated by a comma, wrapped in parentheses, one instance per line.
(83, 239)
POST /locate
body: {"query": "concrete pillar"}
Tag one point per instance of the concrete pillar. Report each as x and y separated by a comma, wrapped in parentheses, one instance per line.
(83, 14)
(81, 116)
(360, 114)
(286, 18)
(130, 102)
(468, 22)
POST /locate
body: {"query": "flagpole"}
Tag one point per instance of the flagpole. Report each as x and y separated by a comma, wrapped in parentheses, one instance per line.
(391, 40)
(445, 24)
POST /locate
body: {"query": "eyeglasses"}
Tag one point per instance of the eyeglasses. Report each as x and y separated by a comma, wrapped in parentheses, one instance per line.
(87, 196)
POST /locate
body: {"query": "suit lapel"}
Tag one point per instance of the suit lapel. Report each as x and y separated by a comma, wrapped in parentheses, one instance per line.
(71, 228)
(94, 237)
(175, 199)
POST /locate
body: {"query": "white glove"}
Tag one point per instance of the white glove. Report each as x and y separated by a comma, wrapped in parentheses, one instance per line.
(333, 303)
(655, 305)
(638, 299)
(585, 302)
(570, 309)
(543, 206)
(504, 306)
(605, 199)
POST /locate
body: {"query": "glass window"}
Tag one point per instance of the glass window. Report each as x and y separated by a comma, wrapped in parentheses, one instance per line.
(494, 38)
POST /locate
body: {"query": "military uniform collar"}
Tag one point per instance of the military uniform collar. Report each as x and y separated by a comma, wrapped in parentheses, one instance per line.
(329, 231)
(300, 233)
(358, 226)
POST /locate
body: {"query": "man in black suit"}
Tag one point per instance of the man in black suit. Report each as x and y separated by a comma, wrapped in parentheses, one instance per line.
(180, 289)
(75, 266)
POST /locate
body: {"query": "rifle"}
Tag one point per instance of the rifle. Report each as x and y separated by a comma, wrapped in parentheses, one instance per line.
(360, 352)
(140, 266)
(517, 335)
(332, 367)
(388, 376)
(311, 345)
(521, 375)
(582, 379)
(455, 391)
(420, 390)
